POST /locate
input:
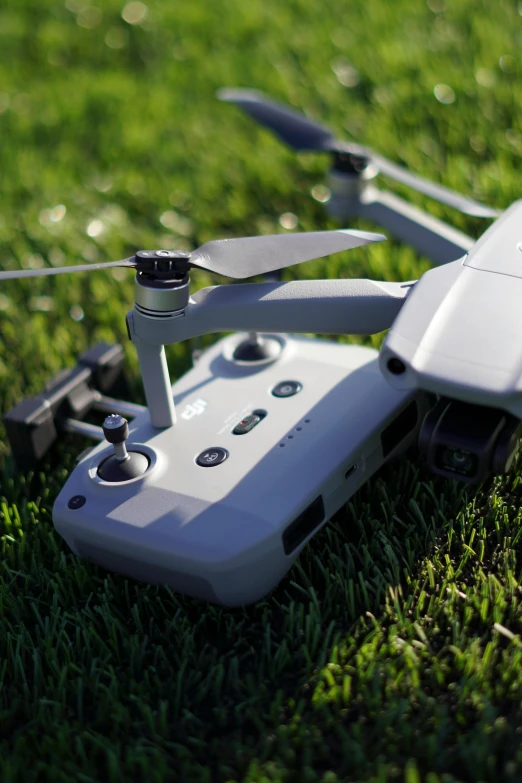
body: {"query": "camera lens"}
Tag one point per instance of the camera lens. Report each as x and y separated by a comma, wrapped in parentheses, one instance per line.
(459, 461)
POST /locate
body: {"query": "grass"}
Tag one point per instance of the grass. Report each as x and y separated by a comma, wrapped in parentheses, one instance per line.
(393, 648)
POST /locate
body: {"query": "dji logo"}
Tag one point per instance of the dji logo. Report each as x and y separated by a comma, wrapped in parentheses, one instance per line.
(195, 408)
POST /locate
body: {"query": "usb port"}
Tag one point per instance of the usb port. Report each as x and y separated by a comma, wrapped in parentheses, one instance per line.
(350, 471)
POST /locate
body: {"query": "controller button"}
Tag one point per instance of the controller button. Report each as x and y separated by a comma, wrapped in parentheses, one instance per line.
(286, 389)
(246, 424)
(215, 455)
(76, 502)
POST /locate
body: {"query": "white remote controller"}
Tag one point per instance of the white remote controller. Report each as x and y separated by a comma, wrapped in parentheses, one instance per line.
(263, 453)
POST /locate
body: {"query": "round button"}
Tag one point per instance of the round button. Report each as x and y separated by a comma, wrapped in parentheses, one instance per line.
(215, 455)
(76, 502)
(286, 389)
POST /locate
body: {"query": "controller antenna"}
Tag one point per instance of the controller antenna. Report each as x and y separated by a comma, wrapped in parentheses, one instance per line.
(122, 465)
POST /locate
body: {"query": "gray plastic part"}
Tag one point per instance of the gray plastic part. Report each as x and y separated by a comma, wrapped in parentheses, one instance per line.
(432, 189)
(156, 382)
(306, 306)
(431, 237)
(318, 306)
(248, 256)
(458, 332)
(111, 405)
(75, 427)
(499, 249)
(217, 533)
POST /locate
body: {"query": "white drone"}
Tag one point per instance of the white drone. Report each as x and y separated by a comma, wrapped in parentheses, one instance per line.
(219, 482)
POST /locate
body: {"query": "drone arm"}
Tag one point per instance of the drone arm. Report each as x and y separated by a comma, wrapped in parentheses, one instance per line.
(430, 236)
(305, 306)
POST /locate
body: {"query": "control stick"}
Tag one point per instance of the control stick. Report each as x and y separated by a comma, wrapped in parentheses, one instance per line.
(123, 465)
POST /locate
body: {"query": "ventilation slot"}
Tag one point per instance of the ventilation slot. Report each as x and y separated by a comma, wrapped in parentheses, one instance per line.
(307, 521)
(350, 471)
(399, 429)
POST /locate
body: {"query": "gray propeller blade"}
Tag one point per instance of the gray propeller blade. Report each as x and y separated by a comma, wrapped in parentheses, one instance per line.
(303, 134)
(291, 126)
(62, 270)
(250, 256)
(237, 258)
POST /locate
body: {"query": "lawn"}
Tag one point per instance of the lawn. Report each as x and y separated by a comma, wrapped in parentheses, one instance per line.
(392, 651)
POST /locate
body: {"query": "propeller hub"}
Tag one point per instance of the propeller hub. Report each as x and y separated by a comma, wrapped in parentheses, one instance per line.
(162, 282)
(163, 264)
(349, 163)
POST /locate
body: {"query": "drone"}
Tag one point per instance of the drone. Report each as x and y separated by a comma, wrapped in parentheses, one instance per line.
(216, 485)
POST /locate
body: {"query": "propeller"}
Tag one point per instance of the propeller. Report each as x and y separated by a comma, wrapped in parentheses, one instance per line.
(62, 270)
(299, 132)
(236, 258)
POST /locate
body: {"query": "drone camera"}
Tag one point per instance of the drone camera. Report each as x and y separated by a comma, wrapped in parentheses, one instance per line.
(469, 442)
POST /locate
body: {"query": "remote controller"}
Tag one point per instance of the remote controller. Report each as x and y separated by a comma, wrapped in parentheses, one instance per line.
(262, 454)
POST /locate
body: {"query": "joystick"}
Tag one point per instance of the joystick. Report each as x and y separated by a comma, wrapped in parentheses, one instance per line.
(123, 465)
(257, 349)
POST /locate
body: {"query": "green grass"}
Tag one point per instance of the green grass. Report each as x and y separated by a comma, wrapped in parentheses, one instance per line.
(393, 648)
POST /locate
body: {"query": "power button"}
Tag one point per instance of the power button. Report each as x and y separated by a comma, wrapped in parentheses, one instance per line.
(286, 389)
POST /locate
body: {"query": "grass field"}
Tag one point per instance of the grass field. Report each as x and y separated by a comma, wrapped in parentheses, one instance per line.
(393, 649)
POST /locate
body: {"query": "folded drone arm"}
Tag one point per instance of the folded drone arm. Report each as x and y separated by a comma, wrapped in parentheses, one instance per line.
(305, 306)
(431, 237)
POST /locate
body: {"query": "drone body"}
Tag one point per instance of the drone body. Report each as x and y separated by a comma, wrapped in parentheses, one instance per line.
(217, 485)
(457, 335)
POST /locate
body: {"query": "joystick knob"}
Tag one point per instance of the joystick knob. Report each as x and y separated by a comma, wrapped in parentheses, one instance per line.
(123, 465)
(116, 431)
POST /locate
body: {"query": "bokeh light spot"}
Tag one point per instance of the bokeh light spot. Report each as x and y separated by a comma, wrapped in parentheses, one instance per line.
(134, 13)
(89, 17)
(57, 213)
(288, 220)
(76, 313)
(321, 193)
(485, 77)
(41, 303)
(95, 228)
(507, 63)
(444, 93)
(116, 38)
